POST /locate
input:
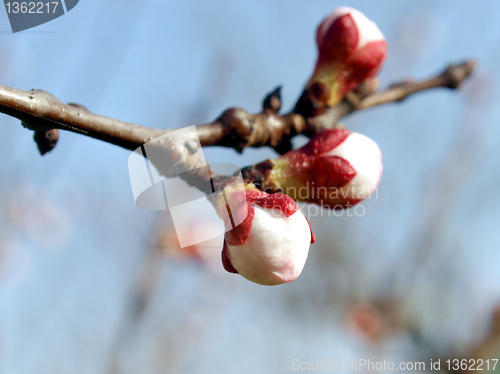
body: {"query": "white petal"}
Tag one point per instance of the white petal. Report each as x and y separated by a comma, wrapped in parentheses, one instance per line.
(365, 157)
(368, 30)
(276, 250)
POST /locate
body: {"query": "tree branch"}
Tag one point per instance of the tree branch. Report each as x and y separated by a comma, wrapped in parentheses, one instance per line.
(452, 77)
(235, 128)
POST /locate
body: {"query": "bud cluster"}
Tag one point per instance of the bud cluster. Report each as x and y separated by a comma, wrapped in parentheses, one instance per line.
(270, 241)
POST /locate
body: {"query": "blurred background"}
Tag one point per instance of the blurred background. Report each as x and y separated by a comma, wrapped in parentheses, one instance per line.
(89, 283)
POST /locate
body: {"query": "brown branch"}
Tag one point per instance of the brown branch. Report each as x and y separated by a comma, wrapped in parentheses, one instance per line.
(489, 347)
(451, 78)
(482, 355)
(235, 128)
(41, 111)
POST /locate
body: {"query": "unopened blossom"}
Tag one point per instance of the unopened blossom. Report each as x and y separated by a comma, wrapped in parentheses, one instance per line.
(336, 169)
(351, 49)
(271, 244)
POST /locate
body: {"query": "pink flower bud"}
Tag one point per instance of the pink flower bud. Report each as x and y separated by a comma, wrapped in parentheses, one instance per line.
(336, 169)
(351, 49)
(271, 244)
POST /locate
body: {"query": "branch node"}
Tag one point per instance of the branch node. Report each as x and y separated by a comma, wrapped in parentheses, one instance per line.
(353, 99)
(272, 101)
(456, 73)
(313, 101)
(46, 140)
(367, 88)
(79, 106)
(239, 126)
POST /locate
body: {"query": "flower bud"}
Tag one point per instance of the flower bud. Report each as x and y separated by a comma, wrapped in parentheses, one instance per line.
(351, 49)
(336, 169)
(271, 244)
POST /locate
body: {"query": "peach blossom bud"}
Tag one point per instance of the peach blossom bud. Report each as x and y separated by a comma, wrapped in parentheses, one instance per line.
(351, 49)
(271, 245)
(336, 169)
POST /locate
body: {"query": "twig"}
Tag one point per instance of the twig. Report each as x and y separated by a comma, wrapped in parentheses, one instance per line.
(235, 128)
(489, 348)
(451, 78)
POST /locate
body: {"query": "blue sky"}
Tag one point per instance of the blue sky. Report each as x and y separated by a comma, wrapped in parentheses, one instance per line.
(169, 64)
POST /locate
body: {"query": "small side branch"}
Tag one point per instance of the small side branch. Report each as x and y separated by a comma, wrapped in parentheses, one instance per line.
(452, 77)
(235, 128)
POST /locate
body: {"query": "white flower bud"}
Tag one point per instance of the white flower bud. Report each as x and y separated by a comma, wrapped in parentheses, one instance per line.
(271, 245)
